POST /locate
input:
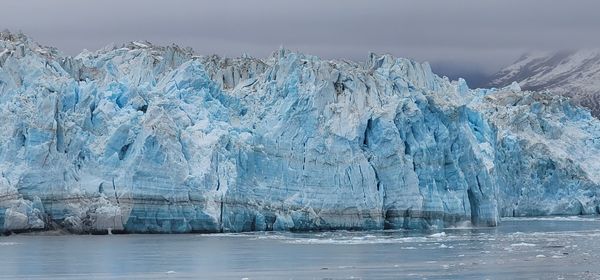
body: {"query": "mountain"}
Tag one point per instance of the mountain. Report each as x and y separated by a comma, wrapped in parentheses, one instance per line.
(571, 73)
(142, 138)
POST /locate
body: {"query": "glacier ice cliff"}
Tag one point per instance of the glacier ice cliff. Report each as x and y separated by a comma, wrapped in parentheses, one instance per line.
(141, 138)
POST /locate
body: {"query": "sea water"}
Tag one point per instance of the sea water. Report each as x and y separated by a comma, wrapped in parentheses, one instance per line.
(520, 248)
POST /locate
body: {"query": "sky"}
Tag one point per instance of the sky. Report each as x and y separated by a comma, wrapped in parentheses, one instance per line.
(460, 38)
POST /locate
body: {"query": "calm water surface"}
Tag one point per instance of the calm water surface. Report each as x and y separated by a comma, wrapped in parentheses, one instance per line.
(543, 248)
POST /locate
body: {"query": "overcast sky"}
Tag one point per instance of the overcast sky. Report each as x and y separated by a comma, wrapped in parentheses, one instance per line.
(459, 38)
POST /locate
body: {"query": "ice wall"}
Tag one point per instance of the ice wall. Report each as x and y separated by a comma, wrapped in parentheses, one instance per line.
(141, 138)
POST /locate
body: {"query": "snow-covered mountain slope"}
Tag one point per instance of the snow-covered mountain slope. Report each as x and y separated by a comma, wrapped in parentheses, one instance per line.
(141, 138)
(573, 74)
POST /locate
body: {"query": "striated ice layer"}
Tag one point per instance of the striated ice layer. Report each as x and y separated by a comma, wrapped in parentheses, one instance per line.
(141, 138)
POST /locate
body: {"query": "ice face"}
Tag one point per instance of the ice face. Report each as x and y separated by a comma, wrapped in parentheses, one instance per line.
(143, 138)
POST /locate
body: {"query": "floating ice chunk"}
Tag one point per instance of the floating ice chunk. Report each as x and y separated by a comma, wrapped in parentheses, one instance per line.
(439, 234)
(522, 244)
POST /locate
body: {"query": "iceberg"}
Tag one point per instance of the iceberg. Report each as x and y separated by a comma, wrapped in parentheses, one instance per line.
(148, 139)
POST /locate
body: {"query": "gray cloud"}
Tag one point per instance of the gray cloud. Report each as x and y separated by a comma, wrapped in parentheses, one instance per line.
(458, 37)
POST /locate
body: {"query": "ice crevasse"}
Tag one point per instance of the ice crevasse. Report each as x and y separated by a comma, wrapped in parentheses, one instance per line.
(140, 138)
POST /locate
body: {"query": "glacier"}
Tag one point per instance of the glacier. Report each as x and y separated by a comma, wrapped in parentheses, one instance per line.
(141, 138)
